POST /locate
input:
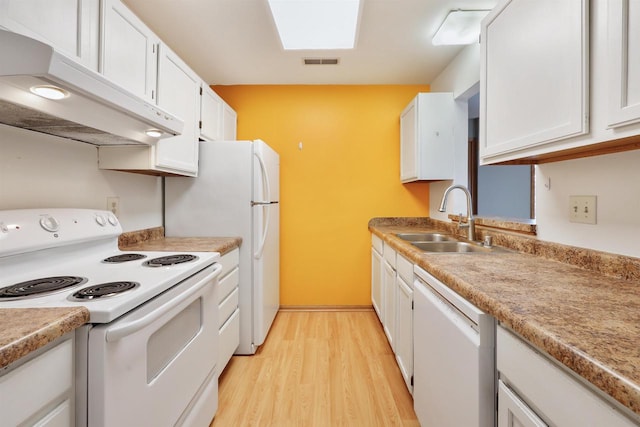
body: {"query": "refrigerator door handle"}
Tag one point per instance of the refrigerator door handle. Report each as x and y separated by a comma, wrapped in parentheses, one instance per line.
(267, 199)
(265, 230)
(265, 178)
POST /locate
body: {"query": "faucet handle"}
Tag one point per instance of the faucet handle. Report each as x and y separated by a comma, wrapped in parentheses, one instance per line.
(460, 224)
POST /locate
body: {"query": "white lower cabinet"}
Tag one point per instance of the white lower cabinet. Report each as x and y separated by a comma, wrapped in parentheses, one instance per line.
(535, 391)
(392, 299)
(40, 391)
(228, 309)
(389, 291)
(376, 276)
(404, 320)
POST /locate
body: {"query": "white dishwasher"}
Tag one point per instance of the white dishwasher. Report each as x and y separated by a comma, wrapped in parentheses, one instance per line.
(454, 364)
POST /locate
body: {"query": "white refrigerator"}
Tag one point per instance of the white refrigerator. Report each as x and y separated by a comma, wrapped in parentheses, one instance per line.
(236, 193)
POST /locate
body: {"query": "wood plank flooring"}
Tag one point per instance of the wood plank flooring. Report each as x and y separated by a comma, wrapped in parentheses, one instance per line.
(317, 369)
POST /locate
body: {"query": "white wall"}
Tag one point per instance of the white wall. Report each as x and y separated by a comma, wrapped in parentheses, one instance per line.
(462, 77)
(615, 179)
(38, 170)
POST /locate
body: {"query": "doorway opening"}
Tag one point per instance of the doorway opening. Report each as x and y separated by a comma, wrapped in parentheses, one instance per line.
(505, 191)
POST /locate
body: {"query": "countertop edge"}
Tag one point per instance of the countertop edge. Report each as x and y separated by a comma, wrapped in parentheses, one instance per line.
(49, 324)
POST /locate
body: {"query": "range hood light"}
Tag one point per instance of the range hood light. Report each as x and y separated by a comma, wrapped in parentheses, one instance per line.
(50, 92)
(154, 133)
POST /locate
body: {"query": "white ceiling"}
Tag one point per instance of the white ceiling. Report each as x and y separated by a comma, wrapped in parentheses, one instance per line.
(235, 42)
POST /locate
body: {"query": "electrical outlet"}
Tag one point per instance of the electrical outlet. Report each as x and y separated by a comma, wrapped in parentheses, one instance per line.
(582, 209)
(113, 205)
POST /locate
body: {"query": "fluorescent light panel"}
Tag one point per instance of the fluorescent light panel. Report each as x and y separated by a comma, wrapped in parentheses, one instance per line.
(460, 27)
(316, 24)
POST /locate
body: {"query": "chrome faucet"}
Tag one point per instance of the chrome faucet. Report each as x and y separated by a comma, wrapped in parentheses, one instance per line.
(470, 221)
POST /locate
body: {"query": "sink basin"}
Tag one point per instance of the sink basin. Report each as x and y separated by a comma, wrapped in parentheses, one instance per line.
(426, 237)
(451, 246)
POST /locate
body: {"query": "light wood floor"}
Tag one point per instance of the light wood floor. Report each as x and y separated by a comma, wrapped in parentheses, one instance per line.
(317, 369)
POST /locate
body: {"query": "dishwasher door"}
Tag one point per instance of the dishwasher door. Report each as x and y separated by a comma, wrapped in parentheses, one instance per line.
(454, 374)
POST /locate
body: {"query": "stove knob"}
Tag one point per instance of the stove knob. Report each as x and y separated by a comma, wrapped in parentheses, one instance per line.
(112, 219)
(49, 223)
(101, 221)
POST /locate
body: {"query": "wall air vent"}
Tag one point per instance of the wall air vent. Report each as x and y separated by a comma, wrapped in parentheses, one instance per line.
(321, 61)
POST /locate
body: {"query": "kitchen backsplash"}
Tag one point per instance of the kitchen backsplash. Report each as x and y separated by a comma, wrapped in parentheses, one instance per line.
(38, 170)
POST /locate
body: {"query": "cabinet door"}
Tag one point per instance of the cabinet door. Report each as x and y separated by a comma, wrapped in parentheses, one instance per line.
(409, 143)
(389, 289)
(211, 115)
(534, 75)
(624, 62)
(129, 50)
(376, 283)
(404, 330)
(513, 412)
(70, 26)
(229, 122)
(179, 94)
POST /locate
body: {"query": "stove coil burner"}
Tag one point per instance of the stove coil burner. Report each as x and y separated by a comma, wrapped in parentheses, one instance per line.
(39, 287)
(116, 259)
(103, 290)
(170, 260)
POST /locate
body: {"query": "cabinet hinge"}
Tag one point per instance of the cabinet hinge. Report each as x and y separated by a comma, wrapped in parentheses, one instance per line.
(153, 94)
(411, 305)
(411, 380)
(200, 124)
(200, 90)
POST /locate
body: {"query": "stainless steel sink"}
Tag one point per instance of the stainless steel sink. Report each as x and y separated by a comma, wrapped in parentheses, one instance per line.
(451, 247)
(426, 237)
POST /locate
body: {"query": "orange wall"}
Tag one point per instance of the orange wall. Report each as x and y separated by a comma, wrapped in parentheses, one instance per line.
(346, 173)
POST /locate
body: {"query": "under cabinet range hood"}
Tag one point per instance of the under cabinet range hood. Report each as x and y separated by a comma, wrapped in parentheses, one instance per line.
(91, 108)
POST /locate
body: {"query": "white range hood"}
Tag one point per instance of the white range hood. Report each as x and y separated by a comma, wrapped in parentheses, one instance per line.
(95, 109)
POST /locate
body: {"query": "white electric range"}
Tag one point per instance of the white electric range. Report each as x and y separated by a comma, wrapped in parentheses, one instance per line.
(148, 355)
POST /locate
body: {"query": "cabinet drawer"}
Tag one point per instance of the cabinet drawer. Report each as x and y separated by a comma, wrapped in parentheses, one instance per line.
(389, 255)
(227, 307)
(228, 284)
(377, 243)
(228, 261)
(229, 339)
(555, 394)
(405, 269)
(52, 371)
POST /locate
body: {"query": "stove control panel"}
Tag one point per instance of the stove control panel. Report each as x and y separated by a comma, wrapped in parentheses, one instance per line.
(25, 230)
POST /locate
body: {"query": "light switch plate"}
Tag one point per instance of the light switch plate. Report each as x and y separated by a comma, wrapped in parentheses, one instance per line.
(582, 209)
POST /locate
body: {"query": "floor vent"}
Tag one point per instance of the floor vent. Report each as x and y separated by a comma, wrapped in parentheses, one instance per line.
(321, 61)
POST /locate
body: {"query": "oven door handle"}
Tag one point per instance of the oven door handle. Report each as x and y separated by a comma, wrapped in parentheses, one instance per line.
(118, 332)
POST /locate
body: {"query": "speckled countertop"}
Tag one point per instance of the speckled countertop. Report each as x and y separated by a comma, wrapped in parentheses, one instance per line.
(23, 330)
(153, 239)
(586, 320)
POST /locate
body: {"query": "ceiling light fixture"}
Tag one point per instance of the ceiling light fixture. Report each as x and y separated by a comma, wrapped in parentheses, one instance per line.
(316, 24)
(459, 27)
(49, 92)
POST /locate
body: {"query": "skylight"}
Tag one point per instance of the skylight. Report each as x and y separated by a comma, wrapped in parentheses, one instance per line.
(316, 24)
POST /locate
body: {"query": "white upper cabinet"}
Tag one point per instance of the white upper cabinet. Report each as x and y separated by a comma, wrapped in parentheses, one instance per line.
(129, 50)
(179, 94)
(534, 74)
(229, 123)
(624, 62)
(70, 26)
(426, 138)
(211, 127)
(218, 119)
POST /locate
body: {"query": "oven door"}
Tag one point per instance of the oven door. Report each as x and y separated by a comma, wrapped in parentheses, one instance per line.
(155, 365)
